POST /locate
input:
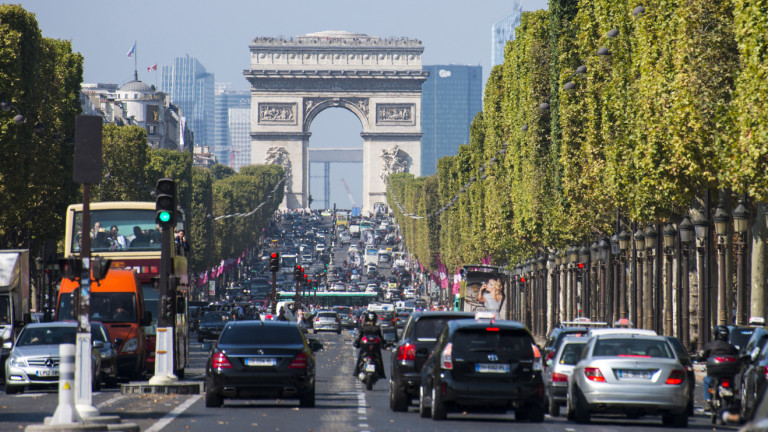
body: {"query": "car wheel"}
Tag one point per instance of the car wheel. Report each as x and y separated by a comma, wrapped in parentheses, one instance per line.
(96, 384)
(212, 399)
(307, 399)
(438, 407)
(581, 411)
(112, 381)
(554, 407)
(338, 332)
(369, 383)
(679, 420)
(535, 413)
(398, 400)
(569, 412)
(744, 408)
(424, 409)
(9, 389)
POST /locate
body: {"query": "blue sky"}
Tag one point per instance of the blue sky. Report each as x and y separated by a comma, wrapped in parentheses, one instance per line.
(218, 33)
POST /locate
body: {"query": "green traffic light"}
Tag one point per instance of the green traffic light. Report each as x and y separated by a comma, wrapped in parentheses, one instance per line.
(165, 216)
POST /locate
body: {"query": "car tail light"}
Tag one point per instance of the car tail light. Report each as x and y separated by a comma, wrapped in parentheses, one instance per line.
(406, 352)
(594, 374)
(725, 359)
(765, 372)
(676, 377)
(493, 329)
(725, 382)
(299, 362)
(220, 361)
(558, 377)
(445, 357)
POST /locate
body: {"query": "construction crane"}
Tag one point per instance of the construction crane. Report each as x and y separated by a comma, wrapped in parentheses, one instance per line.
(349, 194)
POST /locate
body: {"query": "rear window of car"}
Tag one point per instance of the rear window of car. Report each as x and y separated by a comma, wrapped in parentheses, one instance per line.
(482, 340)
(216, 316)
(571, 353)
(632, 347)
(428, 329)
(261, 335)
(327, 315)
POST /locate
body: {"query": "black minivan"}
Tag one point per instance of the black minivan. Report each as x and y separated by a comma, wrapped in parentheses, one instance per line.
(482, 366)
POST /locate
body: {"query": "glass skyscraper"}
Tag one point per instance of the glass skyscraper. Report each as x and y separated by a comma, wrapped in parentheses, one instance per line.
(504, 31)
(190, 87)
(450, 99)
(223, 139)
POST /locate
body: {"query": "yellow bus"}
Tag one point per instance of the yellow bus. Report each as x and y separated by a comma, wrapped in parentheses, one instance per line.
(341, 219)
(126, 233)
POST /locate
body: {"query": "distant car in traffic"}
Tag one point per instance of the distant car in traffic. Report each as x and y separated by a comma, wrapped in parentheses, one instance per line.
(326, 321)
(212, 324)
(557, 371)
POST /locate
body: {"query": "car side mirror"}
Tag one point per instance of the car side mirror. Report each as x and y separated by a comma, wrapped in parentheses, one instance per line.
(118, 342)
(98, 344)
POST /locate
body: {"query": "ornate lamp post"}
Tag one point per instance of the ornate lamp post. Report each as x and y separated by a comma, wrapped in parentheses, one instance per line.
(701, 227)
(584, 270)
(518, 275)
(541, 264)
(651, 297)
(684, 311)
(573, 257)
(594, 279)
(721, 228)
(616, 254)
(562, 286)
(604, 256)
(638, 296)
(624, 239)
(669, 245)
(553, 261)
(740, 224)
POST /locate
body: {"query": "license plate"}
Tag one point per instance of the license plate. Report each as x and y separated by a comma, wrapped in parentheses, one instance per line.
(634, 374)
(261, 361)
(370, 368)
(48, 373)
(492, 368)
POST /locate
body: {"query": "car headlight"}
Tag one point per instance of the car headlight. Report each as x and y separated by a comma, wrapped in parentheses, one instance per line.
(105, 354)
(17, 362)
(130, 345)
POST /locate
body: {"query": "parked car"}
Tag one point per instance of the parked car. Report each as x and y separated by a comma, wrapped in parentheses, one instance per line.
(753, 378)
(34, 358)
(261, 359)
(411, 351)
(557, 371)
(632, 374)
(327, 321)
(482, 366)
(212, 324)
(107, 352)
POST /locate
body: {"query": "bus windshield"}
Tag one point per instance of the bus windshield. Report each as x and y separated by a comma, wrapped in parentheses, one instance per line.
(119, 229)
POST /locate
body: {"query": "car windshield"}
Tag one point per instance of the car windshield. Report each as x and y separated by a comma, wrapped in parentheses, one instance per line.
(261, 335)
(482, 340)
(327, 315)
(632, 347)
(216, 316)
(427, 329)
(57, 335)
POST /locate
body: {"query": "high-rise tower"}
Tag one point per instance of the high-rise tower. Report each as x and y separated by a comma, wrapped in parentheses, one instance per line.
(190, 87)
(504, 31)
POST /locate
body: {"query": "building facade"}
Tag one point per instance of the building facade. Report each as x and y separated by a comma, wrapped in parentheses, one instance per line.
(191, 88)
(504, 31)
(227, 99)
(239, 137)
(451, 97)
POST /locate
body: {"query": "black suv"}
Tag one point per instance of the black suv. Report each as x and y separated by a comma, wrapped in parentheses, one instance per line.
(411, 352)
(478, 366)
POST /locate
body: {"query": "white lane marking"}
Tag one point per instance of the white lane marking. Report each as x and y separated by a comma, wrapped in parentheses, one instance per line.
(168, 418)
(110, 401)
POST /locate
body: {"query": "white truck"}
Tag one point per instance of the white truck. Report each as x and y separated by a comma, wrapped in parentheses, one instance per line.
(371, 256)
(14, 297)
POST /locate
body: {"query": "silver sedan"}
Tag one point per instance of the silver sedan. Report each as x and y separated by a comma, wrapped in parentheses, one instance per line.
(629, 374)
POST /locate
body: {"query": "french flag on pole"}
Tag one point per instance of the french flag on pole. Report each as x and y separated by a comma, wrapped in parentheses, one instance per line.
(152, 68)
(132, 51)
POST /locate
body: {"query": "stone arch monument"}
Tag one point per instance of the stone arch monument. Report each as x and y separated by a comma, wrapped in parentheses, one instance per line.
(378, 80)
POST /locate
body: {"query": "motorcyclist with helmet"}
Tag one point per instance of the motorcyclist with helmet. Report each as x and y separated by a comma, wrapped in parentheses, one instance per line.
(369, 327)
(719, 346)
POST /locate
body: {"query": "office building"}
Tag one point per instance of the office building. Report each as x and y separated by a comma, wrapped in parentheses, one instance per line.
(190, 87)
(239, 137)
(450, 99)
(227, 99)
(504, 31)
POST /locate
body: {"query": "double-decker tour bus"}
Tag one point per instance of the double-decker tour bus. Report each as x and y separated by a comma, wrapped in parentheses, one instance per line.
(126, 233)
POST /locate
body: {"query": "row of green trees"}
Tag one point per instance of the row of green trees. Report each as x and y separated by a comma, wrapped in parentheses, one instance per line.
(41, 78)
(675, 105)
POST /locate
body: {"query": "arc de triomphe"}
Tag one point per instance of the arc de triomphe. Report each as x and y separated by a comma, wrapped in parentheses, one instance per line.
(378, 80)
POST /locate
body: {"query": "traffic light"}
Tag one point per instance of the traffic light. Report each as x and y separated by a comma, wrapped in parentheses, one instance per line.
(100, 267)
(297, 273)
(71, 268)
(165, 203)
(274, 262)
(325, 268)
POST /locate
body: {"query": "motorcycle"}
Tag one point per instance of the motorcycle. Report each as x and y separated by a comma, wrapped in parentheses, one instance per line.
(723, 369)
(369, 346)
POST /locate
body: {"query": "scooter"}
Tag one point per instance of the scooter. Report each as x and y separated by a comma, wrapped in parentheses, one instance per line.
(369, 345)
(723, 368)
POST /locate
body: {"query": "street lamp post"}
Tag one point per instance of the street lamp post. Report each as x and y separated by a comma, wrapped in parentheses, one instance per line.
(573, 257)
(669, 245)
(721, 226)
(553, 262)
(624, 239)
(740, 222)
(686, 237)
(595, 288)
(701, 227)
(638, 296)
(584, 273)
(542, 306)
(604, 260)
(651, 307)
(616, 254)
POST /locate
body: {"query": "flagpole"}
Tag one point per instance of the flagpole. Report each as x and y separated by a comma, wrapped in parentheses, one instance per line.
(135, 62)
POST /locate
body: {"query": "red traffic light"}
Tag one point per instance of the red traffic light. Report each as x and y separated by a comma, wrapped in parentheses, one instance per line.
(581, 265)
(274, 255)
(522, 279)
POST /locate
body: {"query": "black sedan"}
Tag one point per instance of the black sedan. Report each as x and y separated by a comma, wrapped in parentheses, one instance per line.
(261, 360)
(212, 324)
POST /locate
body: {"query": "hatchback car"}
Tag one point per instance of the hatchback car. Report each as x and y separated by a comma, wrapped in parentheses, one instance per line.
(411, 351)
(556, 336)
(34, 359)
(557, 371)
(261, 360)
(326, 321)
(478, 366)
(212, 324)
(632, 374)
